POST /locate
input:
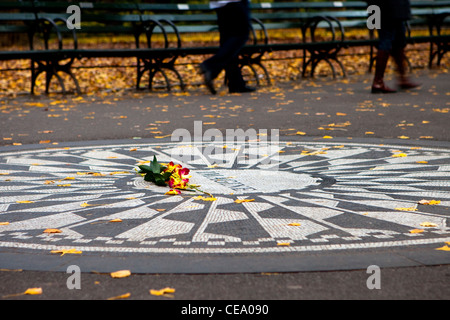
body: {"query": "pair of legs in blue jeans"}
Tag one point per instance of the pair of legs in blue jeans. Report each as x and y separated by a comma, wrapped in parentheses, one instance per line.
(234, 28)
(392, 42)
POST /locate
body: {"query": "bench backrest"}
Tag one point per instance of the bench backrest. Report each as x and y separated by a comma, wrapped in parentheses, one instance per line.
(128, 18)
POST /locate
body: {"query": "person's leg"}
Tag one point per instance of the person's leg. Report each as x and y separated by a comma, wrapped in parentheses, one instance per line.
(386, 37)
(233, 21)
(398, 53)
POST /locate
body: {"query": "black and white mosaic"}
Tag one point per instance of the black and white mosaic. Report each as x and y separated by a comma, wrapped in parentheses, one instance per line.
(310, 196)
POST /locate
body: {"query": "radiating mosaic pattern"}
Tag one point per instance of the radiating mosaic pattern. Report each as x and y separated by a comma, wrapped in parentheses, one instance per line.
(309, 196)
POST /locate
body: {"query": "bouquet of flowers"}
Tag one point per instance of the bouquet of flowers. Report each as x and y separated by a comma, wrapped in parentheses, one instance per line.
(170, 174)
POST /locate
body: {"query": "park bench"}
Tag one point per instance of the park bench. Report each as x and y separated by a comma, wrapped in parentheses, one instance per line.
(323, 29)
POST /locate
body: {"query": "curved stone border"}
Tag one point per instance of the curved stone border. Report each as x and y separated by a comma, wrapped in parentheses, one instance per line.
(336, 198)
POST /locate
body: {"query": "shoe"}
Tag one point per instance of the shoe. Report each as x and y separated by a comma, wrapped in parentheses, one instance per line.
(378, 85)
(407, 84)
(207, 78)
(382, 88)
(242, 89)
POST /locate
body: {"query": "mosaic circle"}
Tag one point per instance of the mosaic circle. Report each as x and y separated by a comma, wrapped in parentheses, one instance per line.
(283, 197)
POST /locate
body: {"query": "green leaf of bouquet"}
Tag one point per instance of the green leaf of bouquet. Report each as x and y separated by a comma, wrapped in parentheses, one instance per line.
(166, 175)
(155, 166)
(145, 169)
(149, 177)
(159, 180)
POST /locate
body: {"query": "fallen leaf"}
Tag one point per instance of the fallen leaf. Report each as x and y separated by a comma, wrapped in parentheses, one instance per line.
(406, 209)
(33, 291)
(428, 224)
(399, 155)
(173, 192)
(52, 231)
(84, 205)
(283, 244)
(244, 200)
(122, 296)
(444, 248)
(416, 231)
(118, 172)
(205, 198)
(66, 251)
(4, 223)
(121, 274)
(162, 291)
(429, 202)
(115, 220)
(96, 174)
(294, 224)
(25, 201)
(327, 137)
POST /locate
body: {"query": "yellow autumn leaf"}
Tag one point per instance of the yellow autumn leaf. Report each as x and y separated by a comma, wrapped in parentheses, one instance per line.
(205, 198)
(122, 296)
(172, 192)
(300, 133)
(294, 224)
(162, 291)
(84, 205)
(406, 209)
(118, 172)
(283, 244)
(416, 231)
(25, 201)
(244, 200)
(4, 223)
(95, 174)
(116, 220)
(403, 137)
(33, 291)
(121, 274)
(423, 162)
(399, 155)
(327, 137)
(428, 224)
(429, 202)
(52, 230)
(444, 248)
(66, 251)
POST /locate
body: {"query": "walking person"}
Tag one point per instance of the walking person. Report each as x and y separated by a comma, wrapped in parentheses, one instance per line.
(233, 18)
(392, 42)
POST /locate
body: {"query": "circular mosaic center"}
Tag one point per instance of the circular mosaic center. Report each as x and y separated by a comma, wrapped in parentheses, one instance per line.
(237, 182)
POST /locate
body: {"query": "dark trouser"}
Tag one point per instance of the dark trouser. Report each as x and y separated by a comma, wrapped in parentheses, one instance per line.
(392, 36)
(234, 27)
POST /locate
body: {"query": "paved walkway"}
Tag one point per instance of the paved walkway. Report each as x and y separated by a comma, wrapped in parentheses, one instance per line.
(340, 187)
